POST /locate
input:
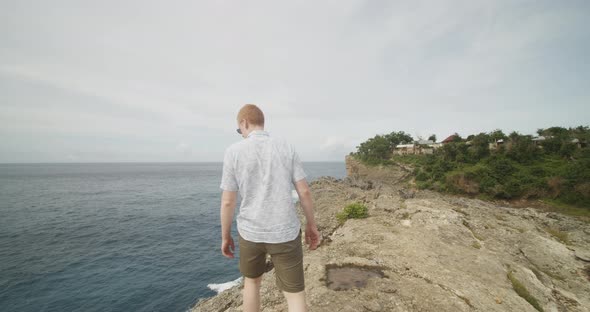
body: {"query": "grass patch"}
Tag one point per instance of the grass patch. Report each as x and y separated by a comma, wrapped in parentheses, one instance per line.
(476, 245)
(560, 235)
(352, 211)
(408, 159)
(485, 197)
(405, 215)
(523, 292)
(556, 206)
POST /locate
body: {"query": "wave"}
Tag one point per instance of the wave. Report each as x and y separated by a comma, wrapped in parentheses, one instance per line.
(225, 286)
(294, 196)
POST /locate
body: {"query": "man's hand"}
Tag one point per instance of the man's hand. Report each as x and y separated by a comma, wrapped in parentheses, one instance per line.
(312, 236)
(225, 247)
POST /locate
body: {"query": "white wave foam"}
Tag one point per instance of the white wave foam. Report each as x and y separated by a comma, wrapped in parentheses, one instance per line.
(225, 286)
(294, 196)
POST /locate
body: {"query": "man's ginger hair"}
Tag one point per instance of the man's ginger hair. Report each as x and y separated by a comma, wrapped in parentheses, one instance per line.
(251, 113)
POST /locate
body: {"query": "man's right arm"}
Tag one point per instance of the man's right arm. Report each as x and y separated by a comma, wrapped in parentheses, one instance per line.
(312, 235)
(306, 202)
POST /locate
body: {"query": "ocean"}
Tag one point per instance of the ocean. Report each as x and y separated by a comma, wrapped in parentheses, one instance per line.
(115, 236)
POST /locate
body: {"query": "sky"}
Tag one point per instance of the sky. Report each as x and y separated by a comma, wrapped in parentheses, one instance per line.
(123, 81)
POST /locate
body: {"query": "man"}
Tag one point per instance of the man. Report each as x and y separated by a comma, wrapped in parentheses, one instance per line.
(263, 168)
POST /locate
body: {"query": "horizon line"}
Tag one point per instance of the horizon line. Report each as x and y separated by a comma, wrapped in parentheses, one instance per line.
(136, 162)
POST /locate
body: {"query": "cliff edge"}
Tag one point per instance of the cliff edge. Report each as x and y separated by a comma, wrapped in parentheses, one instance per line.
(420, 250)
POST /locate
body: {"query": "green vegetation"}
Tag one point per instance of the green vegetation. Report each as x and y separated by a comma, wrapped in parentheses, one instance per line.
(523, 292)
(352, 211)
(568, 209)
(377, 150)
(556, 170)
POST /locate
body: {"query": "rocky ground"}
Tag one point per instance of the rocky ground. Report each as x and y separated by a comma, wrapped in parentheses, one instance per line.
(437, 252)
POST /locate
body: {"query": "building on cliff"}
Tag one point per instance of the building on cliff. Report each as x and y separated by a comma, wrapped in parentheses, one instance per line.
(419, 147)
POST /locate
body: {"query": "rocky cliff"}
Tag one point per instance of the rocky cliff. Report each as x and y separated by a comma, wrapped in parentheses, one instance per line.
(424, 251)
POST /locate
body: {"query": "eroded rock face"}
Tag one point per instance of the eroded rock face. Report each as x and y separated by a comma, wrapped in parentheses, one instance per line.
(356, 171)
(437, 253)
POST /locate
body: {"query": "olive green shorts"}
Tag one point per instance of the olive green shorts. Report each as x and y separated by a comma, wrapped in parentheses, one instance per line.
(287, 259)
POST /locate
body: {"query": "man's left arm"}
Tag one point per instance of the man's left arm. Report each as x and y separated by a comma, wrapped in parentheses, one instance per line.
(229, 185)
(228, 204)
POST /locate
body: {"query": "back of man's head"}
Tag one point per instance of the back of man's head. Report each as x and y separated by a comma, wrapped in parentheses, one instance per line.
(252, 114)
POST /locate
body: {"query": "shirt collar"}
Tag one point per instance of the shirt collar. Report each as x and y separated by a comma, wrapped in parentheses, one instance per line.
(258, 132)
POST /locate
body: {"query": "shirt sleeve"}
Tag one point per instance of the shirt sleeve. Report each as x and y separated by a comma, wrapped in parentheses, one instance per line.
(298, 172)
(228, 176)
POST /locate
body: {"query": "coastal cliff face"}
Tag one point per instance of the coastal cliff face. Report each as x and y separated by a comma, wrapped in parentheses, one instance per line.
(355, 170)
(435, 252)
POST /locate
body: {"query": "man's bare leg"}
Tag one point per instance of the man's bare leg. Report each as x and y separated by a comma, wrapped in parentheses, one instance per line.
(296, 301)
(251, 294)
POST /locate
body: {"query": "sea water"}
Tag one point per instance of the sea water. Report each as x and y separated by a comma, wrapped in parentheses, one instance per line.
(115, 236)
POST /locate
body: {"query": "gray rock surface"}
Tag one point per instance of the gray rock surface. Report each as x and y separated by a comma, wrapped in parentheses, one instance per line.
(439, 253)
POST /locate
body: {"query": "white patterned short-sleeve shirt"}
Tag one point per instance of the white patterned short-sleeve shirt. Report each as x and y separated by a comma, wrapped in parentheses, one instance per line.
(263, 168)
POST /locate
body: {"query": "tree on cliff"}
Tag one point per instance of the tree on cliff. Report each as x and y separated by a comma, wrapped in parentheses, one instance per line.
(560, 132)
(555, 168)
(497, 135)
(379, 148)
(396, 138)
(479, 146)
(374, 150)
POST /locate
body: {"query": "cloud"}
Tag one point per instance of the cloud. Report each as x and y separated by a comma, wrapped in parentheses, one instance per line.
(338, 145)
(328, 75)
(184, 148)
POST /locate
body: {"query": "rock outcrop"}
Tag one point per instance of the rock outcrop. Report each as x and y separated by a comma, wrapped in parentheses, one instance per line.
(437, 252)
